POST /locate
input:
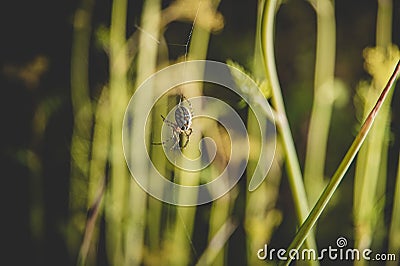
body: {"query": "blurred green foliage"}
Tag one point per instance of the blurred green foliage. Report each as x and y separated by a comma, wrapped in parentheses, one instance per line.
(62, 110)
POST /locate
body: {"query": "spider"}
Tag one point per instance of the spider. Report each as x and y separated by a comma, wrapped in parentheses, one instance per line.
(181, 129)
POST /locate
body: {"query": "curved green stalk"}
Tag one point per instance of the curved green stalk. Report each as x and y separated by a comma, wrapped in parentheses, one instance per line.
(330, 189)
(292, 163)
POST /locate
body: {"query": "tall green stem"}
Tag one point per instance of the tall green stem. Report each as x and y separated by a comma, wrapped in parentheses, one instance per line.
(292, 163)
(370, 178)
(118, 99)
(323, 100)
(185, 215)
(83, 120)
(146, 66)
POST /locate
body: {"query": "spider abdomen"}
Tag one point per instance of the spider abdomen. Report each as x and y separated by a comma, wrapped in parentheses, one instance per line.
(183, 117)
(181, 128)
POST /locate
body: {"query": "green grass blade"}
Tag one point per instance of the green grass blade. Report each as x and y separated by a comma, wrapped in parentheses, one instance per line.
(394, 235)
(330, 189)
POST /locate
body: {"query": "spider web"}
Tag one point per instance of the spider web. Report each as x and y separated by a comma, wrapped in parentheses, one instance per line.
(182, 44)
(178, 24)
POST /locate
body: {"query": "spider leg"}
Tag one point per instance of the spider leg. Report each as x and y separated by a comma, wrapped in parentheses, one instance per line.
(186, 143)
(173, 127)
(162, 143)
(169, 123)
(175, 135)
(187, 134)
